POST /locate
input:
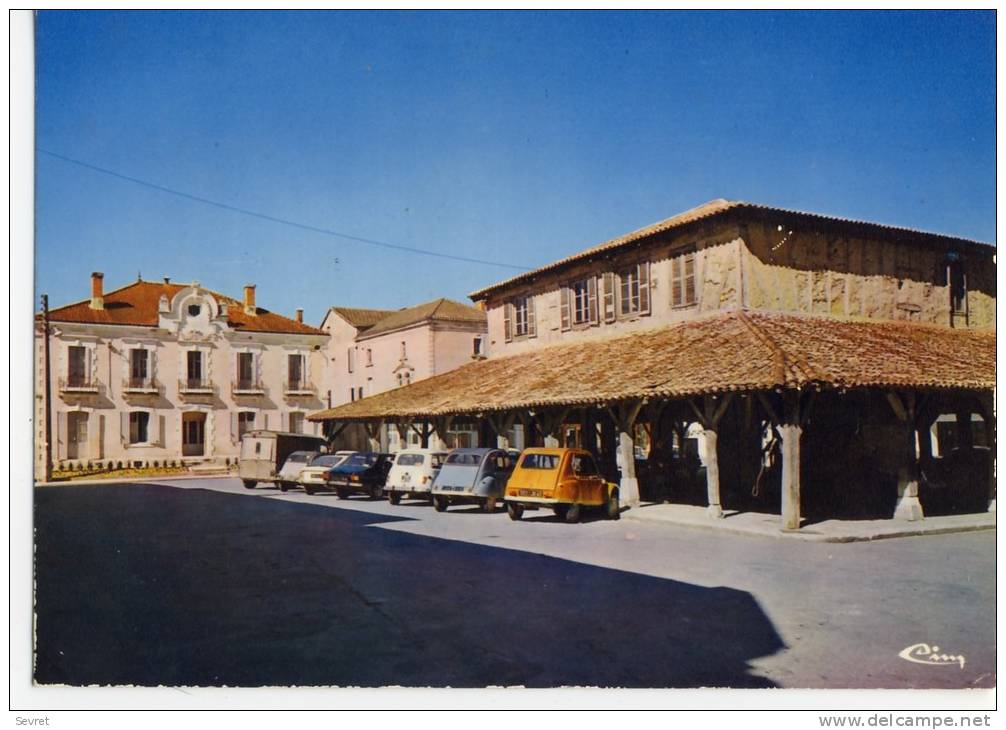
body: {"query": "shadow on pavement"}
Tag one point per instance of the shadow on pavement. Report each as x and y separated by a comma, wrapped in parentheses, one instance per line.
(151, 585)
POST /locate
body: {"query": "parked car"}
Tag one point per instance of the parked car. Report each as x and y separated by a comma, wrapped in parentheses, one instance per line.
(362, 472)
(263, 454)
(564, 480)
(413, 473)
(289, 473)
(472, 476)
(315, 476)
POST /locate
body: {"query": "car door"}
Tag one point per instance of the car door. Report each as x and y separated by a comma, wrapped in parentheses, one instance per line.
(590, 483)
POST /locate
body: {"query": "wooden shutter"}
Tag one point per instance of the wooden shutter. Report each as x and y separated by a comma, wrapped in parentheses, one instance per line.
(564, 305)
(507, 322)
(124, 427)
(153, 428)
(532, 324)
(676, 281)
(235, 427)
(689, 278)
(608, 283)
(60, 445)
(644, 287)
(592, 300)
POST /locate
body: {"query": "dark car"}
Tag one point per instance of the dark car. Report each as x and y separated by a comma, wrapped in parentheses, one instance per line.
(362, 473)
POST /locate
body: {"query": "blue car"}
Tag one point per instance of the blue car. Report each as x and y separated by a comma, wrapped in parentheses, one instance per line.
(362, 473)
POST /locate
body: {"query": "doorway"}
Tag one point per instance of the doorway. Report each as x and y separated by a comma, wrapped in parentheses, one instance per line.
(76, 432)
(193, 434)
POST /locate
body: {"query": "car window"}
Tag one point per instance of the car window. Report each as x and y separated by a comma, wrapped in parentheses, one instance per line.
(409, 459)
(327, 460)
(540, 461)
(299, 457)
(584, 466)
(501, 463)
(437, 460)
(463, 459)
(362, 460)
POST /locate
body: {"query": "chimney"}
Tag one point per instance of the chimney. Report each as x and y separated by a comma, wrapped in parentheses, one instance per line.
(167, 279)
(97, 294)
(250, 299)
(163, 305)
(300, 315)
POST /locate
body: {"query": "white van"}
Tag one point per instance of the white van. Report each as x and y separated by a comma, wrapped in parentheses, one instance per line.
(412, 474)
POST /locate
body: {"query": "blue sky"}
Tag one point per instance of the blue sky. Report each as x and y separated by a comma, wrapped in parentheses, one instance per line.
(510, 137)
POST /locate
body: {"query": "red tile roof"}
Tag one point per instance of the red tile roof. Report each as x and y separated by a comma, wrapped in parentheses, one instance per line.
(736, 351)
(714, 208)
(439, 310)
(136, 304)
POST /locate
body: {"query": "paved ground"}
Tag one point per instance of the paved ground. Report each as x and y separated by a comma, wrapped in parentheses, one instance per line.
(199, 582)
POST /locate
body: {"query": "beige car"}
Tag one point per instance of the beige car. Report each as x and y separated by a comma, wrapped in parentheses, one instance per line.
(314, 477)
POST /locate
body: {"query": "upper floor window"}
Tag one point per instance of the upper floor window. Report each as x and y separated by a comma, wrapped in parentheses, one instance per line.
(350, 359)
(295, 370)
(77, 370)
(683, 289)
(403, 351)
(958, 282)
(477, 345)
(194, 310)
(370, 357)
(139, 366)
(518, 318)
(579, 303)
(633, 285)
(246, 369)
(194, 368)
(296, 422)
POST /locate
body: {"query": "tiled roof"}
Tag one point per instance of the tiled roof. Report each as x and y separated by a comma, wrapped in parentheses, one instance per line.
(362, 318)
(136, 304)
(439, 310)
(708, 210)
(737, 351)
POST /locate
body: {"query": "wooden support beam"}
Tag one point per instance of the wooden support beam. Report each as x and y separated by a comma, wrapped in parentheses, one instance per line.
(908, 506)
(790, 431)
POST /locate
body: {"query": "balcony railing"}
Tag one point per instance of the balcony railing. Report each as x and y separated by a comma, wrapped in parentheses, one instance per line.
(247, 387)
(140, 385)
(195, 386)
(298, 387)
(78, 384)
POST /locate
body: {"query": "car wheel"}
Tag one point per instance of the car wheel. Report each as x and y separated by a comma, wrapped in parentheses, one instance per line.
(440, 504)
(377, 492)
(560, 510)
(308, 489)
(614, 512)
(515, 511)
(284, 486)
(489, 505)
(343, 494)
(573, 514)
(394, 497)
(249, 484)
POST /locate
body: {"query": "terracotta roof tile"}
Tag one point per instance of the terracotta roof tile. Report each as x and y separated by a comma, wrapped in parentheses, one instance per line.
(136, 304)
(736, 351)
(712, 209)
(439, 310)
(362, 318)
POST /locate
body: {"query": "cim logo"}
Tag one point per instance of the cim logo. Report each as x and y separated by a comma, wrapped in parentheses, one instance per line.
(926, 654)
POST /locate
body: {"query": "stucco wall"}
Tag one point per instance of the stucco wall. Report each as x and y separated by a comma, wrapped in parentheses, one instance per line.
(815, 272)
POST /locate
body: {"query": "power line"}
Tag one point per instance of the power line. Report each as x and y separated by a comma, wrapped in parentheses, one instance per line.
(274, 219)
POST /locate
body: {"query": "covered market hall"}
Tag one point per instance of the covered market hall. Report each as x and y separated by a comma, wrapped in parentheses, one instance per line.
(808, 417)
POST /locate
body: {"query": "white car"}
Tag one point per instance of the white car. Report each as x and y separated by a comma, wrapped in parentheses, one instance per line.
(315, 476)
(412, 474)
(289, 474)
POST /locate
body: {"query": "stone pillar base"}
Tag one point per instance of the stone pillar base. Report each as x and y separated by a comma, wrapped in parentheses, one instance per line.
(715, 511)
(628, 492)
(909, 508)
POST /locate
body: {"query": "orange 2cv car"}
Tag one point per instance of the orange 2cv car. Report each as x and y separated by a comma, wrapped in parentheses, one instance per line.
(562, 479)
